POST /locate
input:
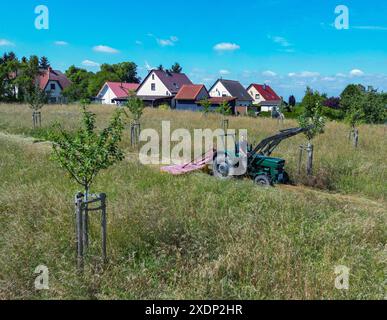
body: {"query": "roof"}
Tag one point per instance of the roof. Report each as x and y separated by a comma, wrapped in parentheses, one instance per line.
(270, 103)
(52, 75)
(266, 92)
(173, 81)
(219, 100)
(189, 92)
(122, 89)
(235, 89)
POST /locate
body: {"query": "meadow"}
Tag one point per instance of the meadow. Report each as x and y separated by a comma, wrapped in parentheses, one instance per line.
(194, 237)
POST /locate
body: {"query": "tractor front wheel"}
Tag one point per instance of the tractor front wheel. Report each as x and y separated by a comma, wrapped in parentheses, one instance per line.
(263, 181)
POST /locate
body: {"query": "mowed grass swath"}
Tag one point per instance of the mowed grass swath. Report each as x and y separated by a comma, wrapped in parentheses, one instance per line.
(194, 236)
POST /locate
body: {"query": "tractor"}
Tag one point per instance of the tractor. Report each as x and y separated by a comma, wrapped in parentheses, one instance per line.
(259, 166)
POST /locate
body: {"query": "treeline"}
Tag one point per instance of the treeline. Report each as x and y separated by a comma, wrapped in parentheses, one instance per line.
(356, 104)
(18, 77)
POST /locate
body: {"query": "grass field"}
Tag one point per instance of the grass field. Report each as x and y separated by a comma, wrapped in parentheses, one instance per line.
(194, 236)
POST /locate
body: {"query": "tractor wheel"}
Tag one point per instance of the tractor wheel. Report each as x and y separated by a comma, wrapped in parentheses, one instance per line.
(263, 181)
(286, 179)
(222, 166)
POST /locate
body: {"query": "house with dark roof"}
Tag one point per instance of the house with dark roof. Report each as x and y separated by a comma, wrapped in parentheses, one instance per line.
(231, 88)
(264, 96)
(53, 82)
(161, 87)
(116, 92)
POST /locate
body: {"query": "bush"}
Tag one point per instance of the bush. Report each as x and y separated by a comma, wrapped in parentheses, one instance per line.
(165, 107)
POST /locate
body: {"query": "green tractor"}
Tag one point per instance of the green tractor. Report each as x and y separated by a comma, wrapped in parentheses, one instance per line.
(257, 163)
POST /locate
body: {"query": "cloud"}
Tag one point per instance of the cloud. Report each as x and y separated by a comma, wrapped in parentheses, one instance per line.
(139, 43)
(6, 43)
(304, 74)
(269, 73)
(170, 42)
(282, 41)
(105, 49)
(226, 46)
(61, 43)
(224, 72)
(148, 66)
(356, 73)
(89, 63)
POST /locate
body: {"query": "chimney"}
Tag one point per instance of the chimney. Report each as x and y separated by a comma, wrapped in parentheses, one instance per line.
(264, 86)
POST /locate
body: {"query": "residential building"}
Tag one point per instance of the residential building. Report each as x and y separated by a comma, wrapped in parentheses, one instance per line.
(264, 96)
(116, 92)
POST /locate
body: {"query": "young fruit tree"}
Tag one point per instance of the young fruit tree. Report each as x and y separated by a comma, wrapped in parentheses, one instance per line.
(206, 105)
(86, 152)
(36, 99)
(313, 120)
(224, 110)
(136, 109)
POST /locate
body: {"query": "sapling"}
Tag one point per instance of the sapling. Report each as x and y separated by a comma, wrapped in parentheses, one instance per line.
(36, 99)
(86, 152)
(206, 105)
(354, 117)
(225, 110)
(136, 109)
(313, 120)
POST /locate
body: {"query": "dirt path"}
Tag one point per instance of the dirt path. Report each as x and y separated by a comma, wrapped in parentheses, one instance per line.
(44, 146)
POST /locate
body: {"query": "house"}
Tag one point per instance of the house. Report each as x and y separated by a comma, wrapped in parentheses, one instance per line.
(189, 97)
(264, 96)
(116, 92)
(161, 87)
(231, 88)
(53, 82)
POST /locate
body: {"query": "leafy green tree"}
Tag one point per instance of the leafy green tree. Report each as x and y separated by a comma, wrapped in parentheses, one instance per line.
(176, 68)
(206, 105)
(44, 63)
(310, 101)
(9, 67)
(160, 67)
(27, 77)
(84, 154)
(79, 88)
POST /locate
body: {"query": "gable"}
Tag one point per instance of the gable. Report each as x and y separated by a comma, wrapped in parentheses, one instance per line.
(145, 89)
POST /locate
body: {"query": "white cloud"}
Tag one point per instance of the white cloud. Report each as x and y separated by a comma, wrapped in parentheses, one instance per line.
(269, 73)
(282, 41)
(356, 73)
(61, 43)
(89, 63)
(226, 46)
(105, 49)
(138, 42)
(6, 43)
(304, 74)
(165, 42)
(224, 72)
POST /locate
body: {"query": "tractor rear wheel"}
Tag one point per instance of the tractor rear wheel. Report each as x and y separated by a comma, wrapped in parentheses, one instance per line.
(263, 181)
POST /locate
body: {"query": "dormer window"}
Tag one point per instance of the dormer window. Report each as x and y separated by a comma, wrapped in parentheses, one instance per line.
(257, 96)
(52, 86)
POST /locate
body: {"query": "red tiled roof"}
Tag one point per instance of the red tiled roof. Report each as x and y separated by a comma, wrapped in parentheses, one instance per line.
(52, 75)
(122, 89)
(266, 92)
(189, 92)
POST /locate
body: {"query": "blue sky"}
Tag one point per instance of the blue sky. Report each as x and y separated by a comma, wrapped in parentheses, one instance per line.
(287, 44)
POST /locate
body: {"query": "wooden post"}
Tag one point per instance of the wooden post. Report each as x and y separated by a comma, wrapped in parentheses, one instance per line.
(135, 129)
(225, 125)
(309, 168)
(79, 228)
(103, 226)
(85, 221)
(356, 137)
(300, 158)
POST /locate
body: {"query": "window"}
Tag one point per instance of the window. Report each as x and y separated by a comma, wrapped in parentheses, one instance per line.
(52, 86)
(153, 76)
(257, 96)
(153, 86)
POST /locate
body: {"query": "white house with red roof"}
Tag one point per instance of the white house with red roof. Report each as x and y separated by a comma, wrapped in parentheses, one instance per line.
(264, 96)
(116, 92)
(53, 82)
